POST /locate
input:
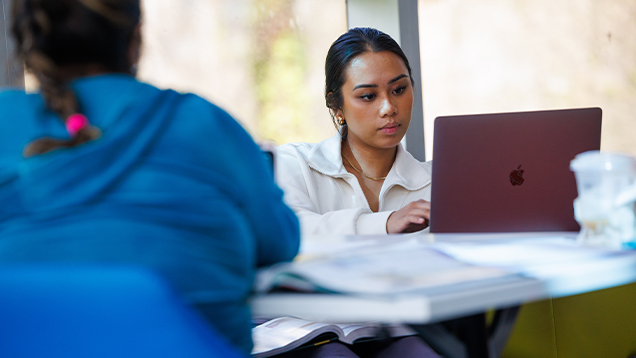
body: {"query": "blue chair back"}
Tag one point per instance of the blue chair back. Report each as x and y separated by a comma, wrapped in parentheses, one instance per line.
(99, 311)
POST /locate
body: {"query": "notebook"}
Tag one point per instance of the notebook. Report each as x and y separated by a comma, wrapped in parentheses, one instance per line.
(509, 172)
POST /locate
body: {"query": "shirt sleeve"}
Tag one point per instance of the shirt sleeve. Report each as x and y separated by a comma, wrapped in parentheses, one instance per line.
(356, 221)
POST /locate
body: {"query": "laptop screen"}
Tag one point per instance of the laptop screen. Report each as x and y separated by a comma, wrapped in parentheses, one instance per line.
(509, 172)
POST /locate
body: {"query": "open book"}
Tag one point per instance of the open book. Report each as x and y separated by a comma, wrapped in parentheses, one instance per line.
(392, 268)
(284, 334)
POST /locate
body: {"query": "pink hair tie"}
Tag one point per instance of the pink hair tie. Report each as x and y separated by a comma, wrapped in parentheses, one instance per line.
(75, 122)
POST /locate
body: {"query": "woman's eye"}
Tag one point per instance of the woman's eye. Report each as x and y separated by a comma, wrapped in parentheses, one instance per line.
(368, 96)
(399, 89)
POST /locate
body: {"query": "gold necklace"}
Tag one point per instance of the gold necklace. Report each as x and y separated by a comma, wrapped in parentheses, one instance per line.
(360, 171)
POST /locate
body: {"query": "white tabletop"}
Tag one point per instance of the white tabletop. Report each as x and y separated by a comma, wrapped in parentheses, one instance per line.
(534, 265)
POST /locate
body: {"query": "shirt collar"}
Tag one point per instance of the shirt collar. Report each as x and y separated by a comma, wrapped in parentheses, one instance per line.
(407, 171)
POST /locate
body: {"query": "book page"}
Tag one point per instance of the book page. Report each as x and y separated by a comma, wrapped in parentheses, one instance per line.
(405, 266)
(354, 332)
(286, 333)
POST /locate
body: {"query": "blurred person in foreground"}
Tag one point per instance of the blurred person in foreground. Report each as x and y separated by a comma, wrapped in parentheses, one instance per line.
(98, 167)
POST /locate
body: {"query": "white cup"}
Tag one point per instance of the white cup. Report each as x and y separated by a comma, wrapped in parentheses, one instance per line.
(606, 194)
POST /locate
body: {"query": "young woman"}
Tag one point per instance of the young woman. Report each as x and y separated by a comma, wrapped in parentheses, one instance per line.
(361, 181)
(98, 167)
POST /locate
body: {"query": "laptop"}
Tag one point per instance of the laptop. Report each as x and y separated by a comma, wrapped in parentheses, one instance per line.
(509, 172)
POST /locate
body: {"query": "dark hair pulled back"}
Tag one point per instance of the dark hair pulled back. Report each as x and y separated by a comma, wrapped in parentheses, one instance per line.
(348, 46)
(58, 39)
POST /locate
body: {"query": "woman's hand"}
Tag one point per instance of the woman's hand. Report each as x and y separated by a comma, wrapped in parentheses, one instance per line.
(411, 218)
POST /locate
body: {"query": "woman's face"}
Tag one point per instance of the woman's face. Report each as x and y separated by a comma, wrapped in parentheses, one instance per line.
(377, 100)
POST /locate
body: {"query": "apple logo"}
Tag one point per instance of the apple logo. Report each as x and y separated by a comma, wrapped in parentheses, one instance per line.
(516, 176)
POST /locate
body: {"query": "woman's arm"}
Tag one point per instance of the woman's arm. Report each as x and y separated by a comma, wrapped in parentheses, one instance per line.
(273, 224)
(356, 221)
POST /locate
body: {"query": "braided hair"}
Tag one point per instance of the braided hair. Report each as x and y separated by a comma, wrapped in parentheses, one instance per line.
(60, 40)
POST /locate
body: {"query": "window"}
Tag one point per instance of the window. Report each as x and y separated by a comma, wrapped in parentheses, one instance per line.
(496, 56)
(260, 60)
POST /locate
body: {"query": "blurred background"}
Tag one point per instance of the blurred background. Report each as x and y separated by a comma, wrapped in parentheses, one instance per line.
(263, 60)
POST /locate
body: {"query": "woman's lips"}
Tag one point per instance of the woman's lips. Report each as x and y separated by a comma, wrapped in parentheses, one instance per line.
(390, 128)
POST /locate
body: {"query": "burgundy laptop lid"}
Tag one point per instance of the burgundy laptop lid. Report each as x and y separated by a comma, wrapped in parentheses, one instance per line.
(509, 172)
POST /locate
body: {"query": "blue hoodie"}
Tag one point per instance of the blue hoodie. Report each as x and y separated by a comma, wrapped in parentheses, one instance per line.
(174, 183)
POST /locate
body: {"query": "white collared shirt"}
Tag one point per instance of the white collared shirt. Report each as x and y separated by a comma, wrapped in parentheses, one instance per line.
(329, 200)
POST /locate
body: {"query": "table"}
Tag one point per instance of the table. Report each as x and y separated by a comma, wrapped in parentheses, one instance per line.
(558, 268)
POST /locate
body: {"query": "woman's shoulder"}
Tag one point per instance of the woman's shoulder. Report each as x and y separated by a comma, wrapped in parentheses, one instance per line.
(428, 165)
(307, 150)
(191, 104)
(195, 116)
(414, 173)
(425, 167)
(299, 148)
(187, 102)
(323, 157)
(291, 155)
